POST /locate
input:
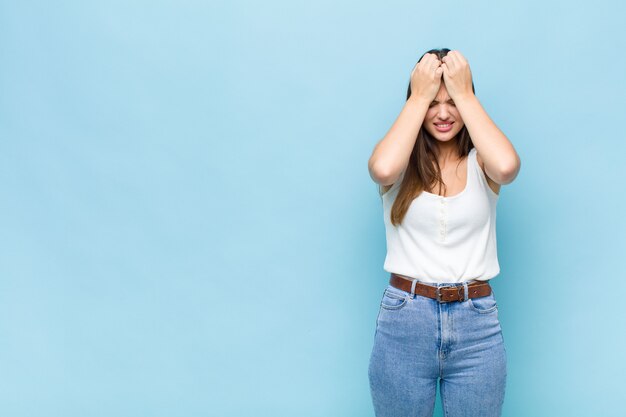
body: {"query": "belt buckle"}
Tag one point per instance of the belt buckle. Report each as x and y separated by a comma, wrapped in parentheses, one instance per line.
(460, 290)
(439, 295)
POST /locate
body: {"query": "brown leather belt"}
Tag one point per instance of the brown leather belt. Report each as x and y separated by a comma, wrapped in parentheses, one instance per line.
(442, 294)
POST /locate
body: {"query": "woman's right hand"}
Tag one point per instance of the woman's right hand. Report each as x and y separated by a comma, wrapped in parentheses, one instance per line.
(426, 77)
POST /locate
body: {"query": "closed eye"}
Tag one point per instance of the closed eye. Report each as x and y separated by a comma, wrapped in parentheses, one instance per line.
(449, 102)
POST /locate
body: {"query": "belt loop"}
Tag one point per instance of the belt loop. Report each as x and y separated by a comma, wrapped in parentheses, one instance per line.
(413, 288)
(466, 291)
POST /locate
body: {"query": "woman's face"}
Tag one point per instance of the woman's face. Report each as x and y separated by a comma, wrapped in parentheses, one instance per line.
(442, 111)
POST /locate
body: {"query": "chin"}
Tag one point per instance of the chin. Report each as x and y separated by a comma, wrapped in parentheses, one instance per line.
(446, 139)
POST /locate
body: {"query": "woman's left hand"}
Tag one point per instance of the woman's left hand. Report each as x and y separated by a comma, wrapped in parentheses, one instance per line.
(456, 75)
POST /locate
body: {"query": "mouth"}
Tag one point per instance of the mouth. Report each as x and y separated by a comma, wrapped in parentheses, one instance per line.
(443, 127)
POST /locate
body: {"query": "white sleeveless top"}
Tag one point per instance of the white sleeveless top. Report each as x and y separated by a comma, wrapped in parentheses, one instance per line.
(445, 239)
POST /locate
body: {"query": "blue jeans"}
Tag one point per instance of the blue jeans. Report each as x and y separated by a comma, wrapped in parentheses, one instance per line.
(419, 341)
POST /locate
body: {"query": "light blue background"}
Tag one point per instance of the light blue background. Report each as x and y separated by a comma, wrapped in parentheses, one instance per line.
(188, 227)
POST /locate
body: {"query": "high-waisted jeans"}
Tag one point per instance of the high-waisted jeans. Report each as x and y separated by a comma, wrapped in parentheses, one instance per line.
(419, 342)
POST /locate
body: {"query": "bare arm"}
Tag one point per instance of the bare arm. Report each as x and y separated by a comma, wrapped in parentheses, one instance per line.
(502, 163)
(391, 155)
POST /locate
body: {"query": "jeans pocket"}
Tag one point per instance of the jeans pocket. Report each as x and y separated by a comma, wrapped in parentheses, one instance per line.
(394, 298)
(483, 305)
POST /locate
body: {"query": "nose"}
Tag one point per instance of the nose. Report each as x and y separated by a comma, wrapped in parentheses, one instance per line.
(443, 112)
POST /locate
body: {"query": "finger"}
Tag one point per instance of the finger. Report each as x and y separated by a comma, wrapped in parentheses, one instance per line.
(415, 67)
(449, 62)
(435, 57)
(458, 59)
(423, 61)
(428, 60)
(435, 64)
(459, 56)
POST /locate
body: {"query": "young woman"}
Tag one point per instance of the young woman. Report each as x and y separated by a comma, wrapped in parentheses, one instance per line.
(440, 168)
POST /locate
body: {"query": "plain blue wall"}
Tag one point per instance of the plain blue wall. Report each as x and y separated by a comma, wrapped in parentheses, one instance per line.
(188, 227)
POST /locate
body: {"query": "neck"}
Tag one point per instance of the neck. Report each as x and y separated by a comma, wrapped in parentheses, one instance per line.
(447, 151)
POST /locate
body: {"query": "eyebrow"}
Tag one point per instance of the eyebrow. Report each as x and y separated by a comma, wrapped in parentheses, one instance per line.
(436, 101)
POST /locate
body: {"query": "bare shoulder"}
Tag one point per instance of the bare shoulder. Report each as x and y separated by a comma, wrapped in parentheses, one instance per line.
(492, 184)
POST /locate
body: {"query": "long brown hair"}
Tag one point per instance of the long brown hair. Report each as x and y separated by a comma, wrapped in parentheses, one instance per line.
(423, 171)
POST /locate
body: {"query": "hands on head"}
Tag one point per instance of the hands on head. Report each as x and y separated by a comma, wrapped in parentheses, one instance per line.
(428, 73)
